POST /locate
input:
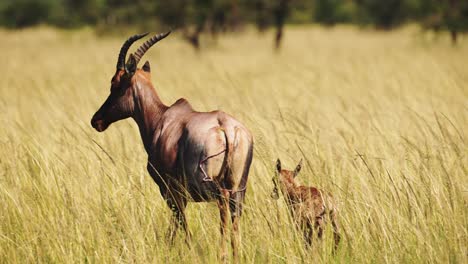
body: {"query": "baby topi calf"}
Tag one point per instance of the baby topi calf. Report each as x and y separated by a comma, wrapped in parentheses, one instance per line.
(308, 205)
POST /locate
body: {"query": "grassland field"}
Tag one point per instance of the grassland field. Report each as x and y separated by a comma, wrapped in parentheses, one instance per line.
(380, 119)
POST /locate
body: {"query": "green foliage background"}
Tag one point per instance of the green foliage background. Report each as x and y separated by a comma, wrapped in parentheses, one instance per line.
(437, 14)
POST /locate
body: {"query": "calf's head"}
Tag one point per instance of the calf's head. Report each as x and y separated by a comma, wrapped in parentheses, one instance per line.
(120, 104)
(284, 178)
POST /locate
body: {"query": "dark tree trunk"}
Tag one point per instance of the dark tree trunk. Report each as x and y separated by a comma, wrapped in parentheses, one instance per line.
(454, 36)
(194, 37)
(261, 15)
(281, 12)
(234, 21)
(453, 14)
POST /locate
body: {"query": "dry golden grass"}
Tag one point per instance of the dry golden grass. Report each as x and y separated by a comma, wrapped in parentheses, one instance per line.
(380, 119)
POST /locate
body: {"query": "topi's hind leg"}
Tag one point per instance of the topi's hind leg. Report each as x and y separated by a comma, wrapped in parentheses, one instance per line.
(235, 238)
(223, 205)
(239, 159)
(235, 207)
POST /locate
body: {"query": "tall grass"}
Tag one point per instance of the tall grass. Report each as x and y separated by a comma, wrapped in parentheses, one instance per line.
(380, 120)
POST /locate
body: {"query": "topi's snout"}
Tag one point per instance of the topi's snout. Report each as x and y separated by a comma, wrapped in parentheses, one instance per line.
(98, 123)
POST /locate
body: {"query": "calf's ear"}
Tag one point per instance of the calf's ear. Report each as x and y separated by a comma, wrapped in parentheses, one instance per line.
(298, 168)
(278, 165)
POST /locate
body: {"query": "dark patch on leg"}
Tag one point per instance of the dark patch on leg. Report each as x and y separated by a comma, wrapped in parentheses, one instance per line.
(235, 203)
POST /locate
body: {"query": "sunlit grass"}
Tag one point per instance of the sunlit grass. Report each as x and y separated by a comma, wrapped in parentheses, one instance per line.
(379, 119)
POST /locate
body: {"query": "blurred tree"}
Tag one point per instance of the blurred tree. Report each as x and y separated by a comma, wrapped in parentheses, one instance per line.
(383, 14)
(124, 12)
(330, 12)
(195, 17)
(24, 13)
(456, 17)
(262, 17)
(82, 12)
(280, 12)
(172, 13)
(441, 15)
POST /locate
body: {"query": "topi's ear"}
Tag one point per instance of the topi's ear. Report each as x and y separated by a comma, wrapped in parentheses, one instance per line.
(298, 168)
(278, 165)
(131, 65)
(146, 67)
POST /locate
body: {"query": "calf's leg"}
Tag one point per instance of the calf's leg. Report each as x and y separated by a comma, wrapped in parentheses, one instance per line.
(308, 230)
(336, 230)
(319, 226)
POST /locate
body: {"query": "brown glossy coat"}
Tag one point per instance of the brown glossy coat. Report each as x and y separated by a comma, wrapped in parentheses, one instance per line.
(177, 139)
(309, 206)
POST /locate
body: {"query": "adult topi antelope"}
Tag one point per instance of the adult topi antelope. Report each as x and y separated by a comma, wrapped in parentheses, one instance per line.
(192, 156)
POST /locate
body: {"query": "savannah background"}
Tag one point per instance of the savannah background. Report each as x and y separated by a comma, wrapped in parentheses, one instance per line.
(373, 95)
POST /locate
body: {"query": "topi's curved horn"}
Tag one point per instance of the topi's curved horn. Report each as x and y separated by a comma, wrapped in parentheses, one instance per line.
(124, 49)
(145, 46)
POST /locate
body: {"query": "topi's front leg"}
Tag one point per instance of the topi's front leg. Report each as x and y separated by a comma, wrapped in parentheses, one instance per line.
(177, 219)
